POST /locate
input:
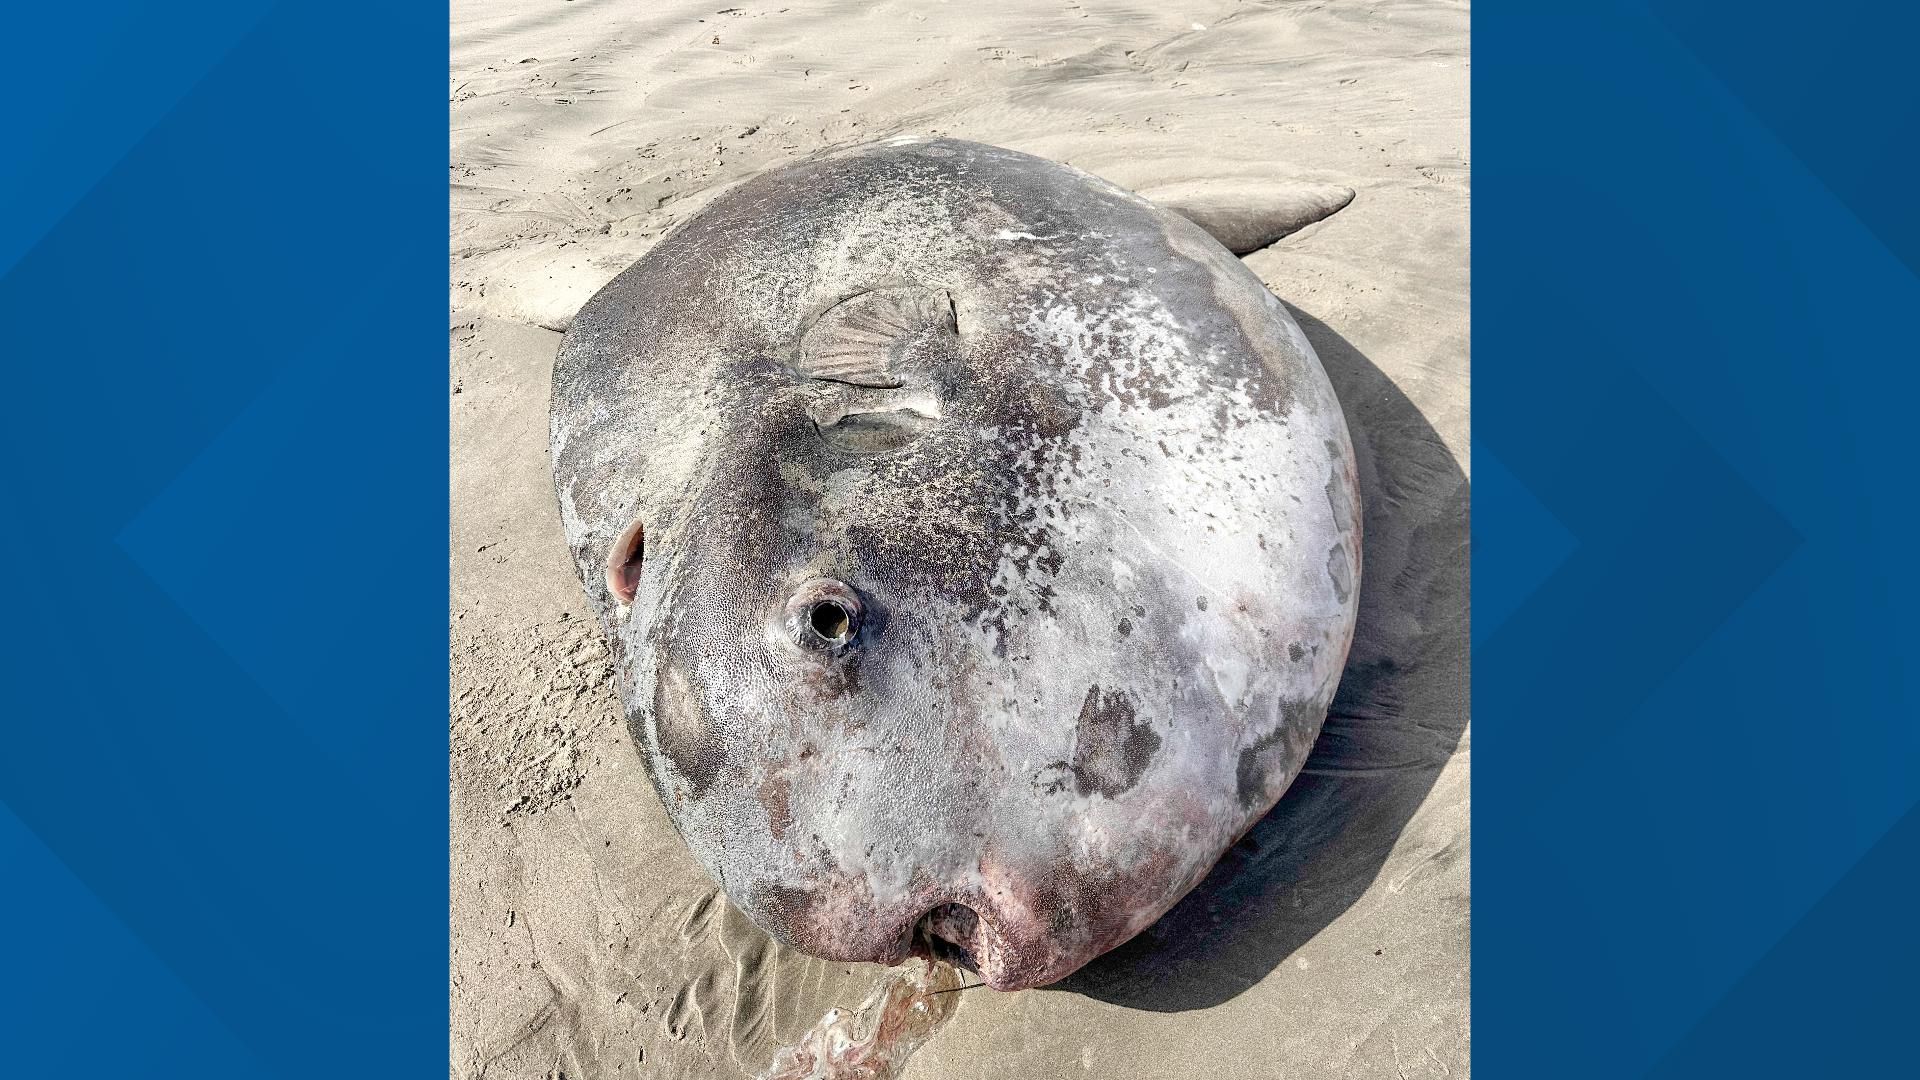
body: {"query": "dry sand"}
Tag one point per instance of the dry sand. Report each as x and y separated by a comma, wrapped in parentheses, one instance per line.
(1333, 941)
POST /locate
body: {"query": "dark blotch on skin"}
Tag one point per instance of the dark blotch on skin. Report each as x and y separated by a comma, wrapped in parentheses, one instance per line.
(784, 906)
(1295, 652)
(1337, 570)
(1126, 627)
(1250, 778)
(777, 797)
(1266, 755)
(684, 740)
(1111, 748)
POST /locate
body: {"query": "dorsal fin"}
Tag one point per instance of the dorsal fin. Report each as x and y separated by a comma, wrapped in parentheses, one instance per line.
(1246, 215)
(860, 340)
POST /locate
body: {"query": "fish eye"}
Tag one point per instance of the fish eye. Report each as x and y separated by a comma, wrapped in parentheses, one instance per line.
(830, 620)
(823, 615)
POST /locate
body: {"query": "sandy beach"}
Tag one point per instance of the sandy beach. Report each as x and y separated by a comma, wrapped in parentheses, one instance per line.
(1333, 940)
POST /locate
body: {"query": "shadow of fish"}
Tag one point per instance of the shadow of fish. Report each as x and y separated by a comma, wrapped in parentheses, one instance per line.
(977, 541)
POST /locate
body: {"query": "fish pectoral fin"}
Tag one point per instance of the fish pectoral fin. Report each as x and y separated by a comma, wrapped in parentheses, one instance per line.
(864, 340)
(1247, 215)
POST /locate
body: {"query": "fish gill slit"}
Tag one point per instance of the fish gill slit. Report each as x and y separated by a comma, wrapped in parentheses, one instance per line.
(624, 560)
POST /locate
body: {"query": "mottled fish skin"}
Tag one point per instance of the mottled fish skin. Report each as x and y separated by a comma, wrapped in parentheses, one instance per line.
(1091, 494)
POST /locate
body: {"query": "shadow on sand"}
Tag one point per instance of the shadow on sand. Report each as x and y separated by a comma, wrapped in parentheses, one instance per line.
(1400, 711)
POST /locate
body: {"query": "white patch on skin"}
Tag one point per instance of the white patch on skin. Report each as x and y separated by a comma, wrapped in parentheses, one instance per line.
(1231, 677)
(1009, 234)
(1206, 521)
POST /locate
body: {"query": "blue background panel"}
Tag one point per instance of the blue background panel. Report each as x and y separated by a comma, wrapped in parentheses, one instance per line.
(223, 785)
(1698, 755)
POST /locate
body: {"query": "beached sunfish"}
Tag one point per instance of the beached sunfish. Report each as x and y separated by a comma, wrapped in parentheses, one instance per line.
(977, 542)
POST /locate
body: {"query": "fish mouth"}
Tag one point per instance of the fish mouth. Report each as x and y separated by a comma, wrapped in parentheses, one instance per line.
(1007, 948)
(950, 932)
(958, 934)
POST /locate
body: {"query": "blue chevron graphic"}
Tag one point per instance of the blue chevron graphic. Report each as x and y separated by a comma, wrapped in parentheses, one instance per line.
(162, 50)
(1695, 358)
(1528, 549)
(1852, 61)
(125, 976)
(224, 779)
(1850, 1024)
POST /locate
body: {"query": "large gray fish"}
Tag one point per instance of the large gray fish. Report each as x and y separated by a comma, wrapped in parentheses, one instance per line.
(978, 544)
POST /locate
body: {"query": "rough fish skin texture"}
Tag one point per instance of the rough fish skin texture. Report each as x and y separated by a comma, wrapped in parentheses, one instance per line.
(978, 545)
